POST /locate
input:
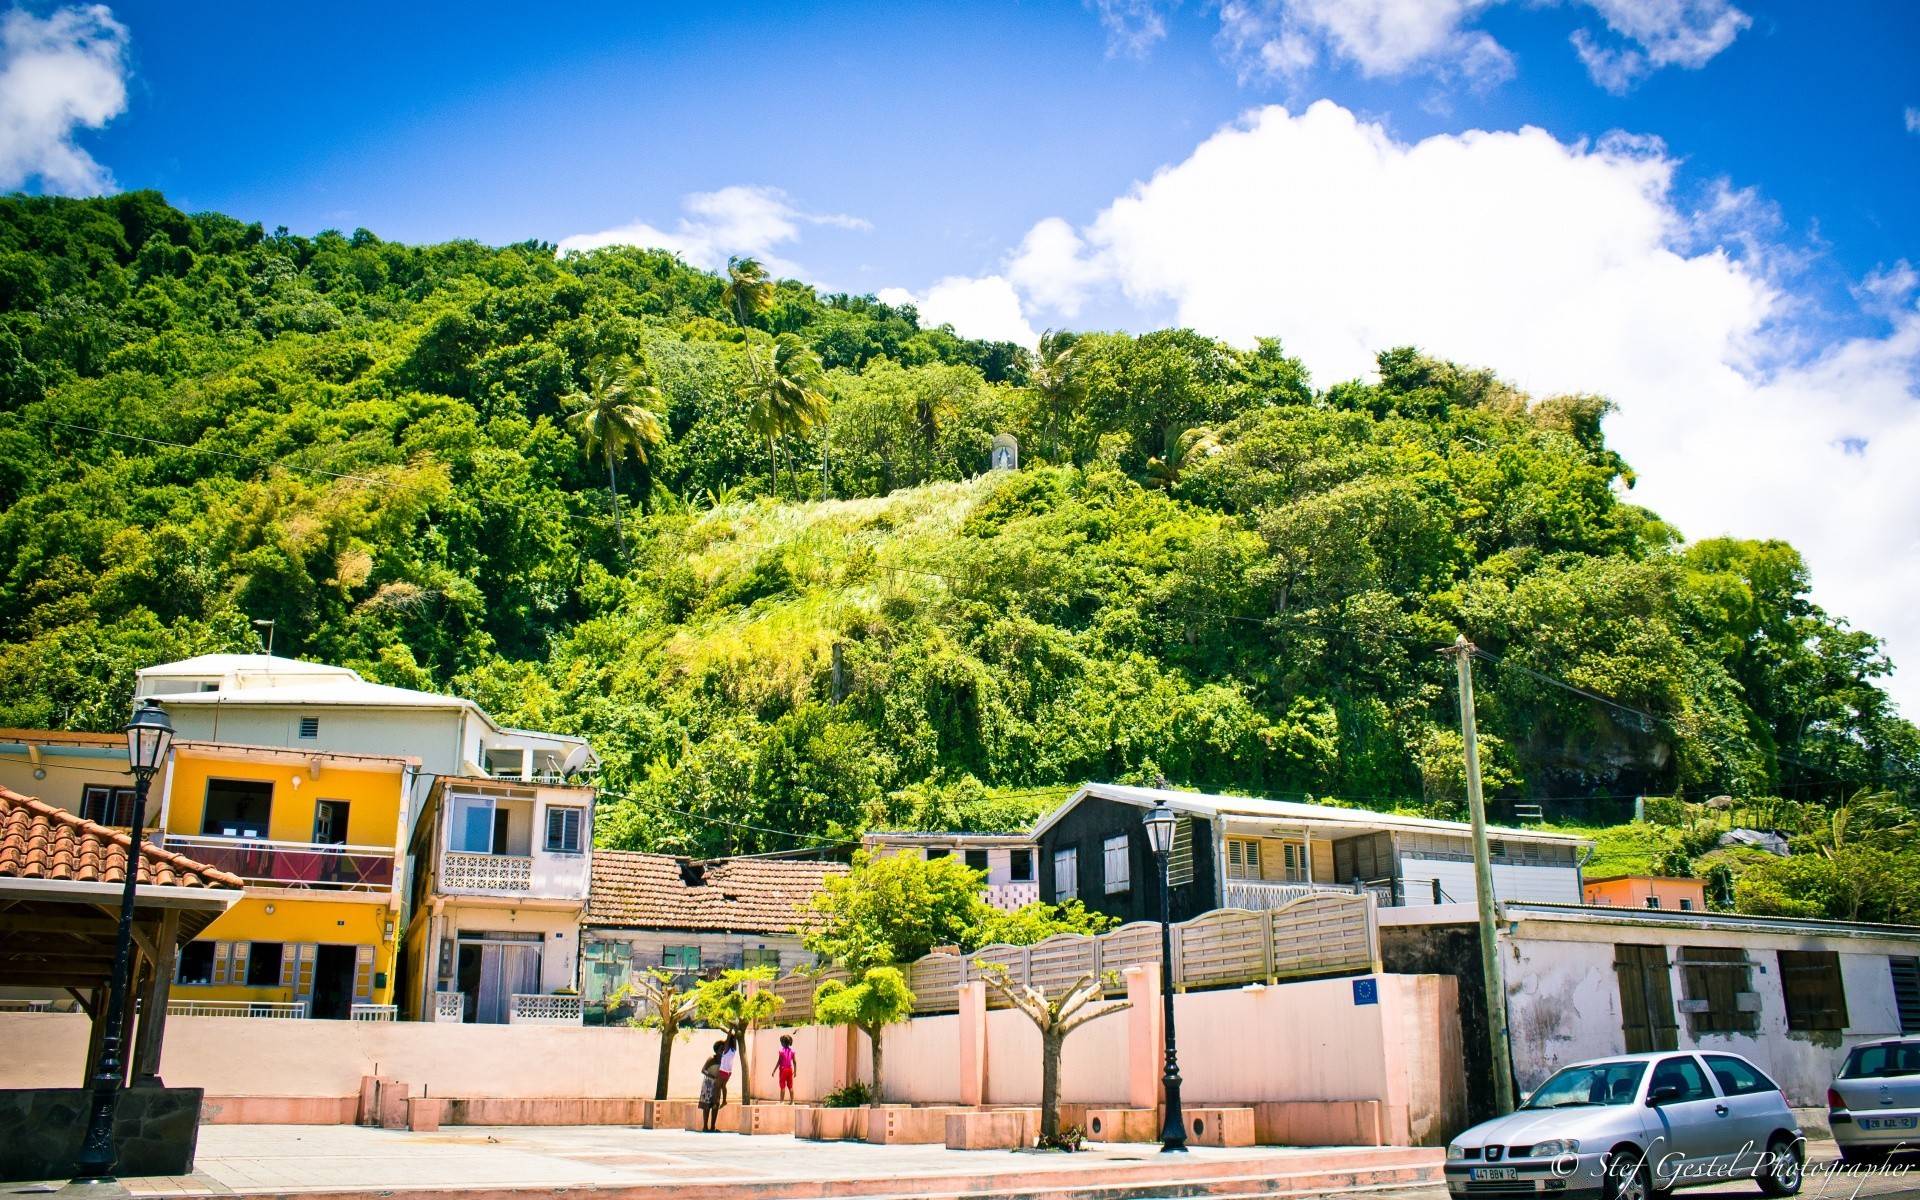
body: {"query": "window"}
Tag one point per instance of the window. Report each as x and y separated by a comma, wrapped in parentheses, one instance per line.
(1180, 854)
(1653, 902)
(1294, 860)
(1020, 866)
(1686, 904)
(760, 957)
(1887, 1060)
(1816, 999)
(263, 964)
(1243, 858)
(237, 808)
(1737, 1076)
(1118, 872)
(1684, 1074)
(938, 852)
(1066, 875)
(1646, 998)
(1718, 986)
(473, 824)
(196, 962)
(977, 859)
(1906, 990)
(105, 805)
(680, 958)
(563, 829)
(330, 822)
(309, 727)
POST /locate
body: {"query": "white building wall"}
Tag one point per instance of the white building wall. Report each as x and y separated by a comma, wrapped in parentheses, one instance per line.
(1516, 882)
(1563, 1000)
(431, 735)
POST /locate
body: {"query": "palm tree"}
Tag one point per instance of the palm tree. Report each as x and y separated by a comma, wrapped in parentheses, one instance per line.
(749, 289)
(1056, 383)
(787, 394)
(1183, 449)
(613, 416)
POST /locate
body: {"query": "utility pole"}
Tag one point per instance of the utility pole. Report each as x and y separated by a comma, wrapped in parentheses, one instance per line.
(1491, 976)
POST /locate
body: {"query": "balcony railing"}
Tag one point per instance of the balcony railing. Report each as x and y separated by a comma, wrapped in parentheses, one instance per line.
(449, 1006)
(268, 1009)
(545, 1010)
(292, 864)
(375, 1012)
(460, 869)
(1012, 895)
(1256, 894)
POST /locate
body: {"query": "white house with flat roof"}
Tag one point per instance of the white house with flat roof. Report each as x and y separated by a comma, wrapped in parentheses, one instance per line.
(1007, 859)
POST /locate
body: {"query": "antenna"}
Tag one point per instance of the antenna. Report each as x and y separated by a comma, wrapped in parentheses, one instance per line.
(268, 626)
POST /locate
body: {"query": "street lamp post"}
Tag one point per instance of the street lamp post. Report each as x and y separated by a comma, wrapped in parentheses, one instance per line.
(149, 735)
(1160, 823)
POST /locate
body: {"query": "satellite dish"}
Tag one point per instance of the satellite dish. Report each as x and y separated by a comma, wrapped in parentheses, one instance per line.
(575, 760)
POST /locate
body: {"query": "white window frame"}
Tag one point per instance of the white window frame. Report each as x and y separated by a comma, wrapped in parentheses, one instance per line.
(1117, 864)
(1066, 866)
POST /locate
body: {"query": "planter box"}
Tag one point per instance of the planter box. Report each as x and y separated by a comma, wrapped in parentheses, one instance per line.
(830, 1124)
(728, 1119)
(1322, 1123)
(892, 1126)
(1123, 1125)
(998, 1129)
(390, 1104)
(423, 1113)
(669, 1114)
(1219, 1126)
(766, 1118)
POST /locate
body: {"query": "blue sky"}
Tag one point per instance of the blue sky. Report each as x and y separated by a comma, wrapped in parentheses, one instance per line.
(1714, 222)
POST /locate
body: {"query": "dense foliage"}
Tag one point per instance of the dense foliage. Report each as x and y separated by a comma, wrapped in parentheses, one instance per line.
(1206, 568)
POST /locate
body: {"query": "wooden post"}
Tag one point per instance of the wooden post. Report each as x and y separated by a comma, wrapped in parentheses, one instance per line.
(1491, 976)
(153, 1022)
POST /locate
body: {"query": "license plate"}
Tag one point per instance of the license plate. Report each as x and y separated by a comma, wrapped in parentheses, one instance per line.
(1887, 1122)
(1479, 1173)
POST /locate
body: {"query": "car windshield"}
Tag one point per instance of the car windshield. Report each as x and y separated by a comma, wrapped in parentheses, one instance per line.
(1595, 1083)
(1879, 1062)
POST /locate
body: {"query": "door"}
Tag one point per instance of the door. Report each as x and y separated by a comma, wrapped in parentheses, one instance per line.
(502, 971)
(1690, 1130)
(1646, 998)
(334, 969)
(1751, 1108)
(330, 822)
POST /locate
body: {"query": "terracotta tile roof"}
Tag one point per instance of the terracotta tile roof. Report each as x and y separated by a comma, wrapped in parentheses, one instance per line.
(39, 841)
(741, 895)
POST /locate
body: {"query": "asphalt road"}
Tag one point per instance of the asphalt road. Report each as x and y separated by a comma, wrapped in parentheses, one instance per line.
(1826, 1180)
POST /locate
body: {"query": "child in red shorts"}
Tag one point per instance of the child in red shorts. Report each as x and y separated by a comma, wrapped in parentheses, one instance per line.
(783, 1068)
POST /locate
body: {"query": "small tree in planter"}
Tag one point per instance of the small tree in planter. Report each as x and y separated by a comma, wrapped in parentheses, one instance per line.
(736, 1002)
(880, 999)
(1056, 1017)
(665, 1006)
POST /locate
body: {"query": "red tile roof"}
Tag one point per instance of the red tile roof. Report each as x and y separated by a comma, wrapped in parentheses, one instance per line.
(742, 895)
(39, 841)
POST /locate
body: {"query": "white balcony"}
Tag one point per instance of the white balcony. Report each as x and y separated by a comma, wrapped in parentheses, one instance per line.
(545, 1010)
(281, 1010)
(449, 1006)
(1255, 895)
(461, 871)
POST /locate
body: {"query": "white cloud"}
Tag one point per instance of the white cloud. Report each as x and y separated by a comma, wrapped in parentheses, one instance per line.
(986, 308)
(58, 74)
(1566, 268)
(1284, 39)
(1913, 119)
(737, 220)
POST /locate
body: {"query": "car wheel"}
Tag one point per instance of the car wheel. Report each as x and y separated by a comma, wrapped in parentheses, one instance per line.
(1625, 1176)
(1784, 1174)
(1862, 1156)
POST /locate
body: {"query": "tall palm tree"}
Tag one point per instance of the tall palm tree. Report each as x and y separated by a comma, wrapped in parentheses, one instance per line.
(614, 415)
(787, 395)
(749, 290)
(1188, 446)
(1056, 384)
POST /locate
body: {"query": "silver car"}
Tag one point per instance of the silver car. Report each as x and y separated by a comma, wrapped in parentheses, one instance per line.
(1634, 1126)
(1874, 1105)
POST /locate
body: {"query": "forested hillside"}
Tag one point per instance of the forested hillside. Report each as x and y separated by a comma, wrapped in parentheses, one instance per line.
(1206, 568)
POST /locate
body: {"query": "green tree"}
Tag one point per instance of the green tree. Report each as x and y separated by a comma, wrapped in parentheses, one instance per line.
(893, 909)
(749, 291)
(738, 1001)
(787, 396)
(665, 1007)
(1055, 1017)
(611, 417)
(880, 998)
(1056, 388)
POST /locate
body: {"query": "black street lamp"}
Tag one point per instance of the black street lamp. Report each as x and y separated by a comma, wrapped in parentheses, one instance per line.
(149, 735)
(1160, 823)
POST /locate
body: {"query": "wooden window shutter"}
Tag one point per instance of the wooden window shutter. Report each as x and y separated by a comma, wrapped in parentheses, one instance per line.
(222, 951)
(289, 964)
(1180, 855)
(1816, 998)
(363, 974)
(237, 964)
(1646, 998)
(1906, 990)
(303, 981)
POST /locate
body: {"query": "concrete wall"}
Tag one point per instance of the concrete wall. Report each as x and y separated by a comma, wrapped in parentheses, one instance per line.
(434, 736)
(1563, 999)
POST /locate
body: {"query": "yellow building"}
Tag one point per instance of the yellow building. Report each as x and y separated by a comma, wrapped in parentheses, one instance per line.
(316, 836)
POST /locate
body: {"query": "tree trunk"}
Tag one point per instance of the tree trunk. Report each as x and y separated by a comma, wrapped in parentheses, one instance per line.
(873, 1035)
(746, 1068)
(613, 487)
(666, 1062)
(1050, 1043)
(773, 469)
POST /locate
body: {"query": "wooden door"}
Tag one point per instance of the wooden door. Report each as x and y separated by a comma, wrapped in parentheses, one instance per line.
(1646, 998)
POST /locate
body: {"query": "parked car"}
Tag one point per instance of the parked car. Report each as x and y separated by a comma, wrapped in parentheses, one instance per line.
(1874, 1103)
(1628, 1127)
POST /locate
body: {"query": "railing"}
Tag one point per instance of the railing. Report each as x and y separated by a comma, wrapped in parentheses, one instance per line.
(292, 864)
(1010, 896)
(545, 1010)
(270, 1009)
(26, 1006)
(375, 1012)
(1256, 894)
(486, 872)
(449, 1006)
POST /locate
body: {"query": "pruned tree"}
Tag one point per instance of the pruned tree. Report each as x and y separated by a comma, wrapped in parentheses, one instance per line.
(1055, 1017)
(738, 1001)
(880, 999)
(666, 1007)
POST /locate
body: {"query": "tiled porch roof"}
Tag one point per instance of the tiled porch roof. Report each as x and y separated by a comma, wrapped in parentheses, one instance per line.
(39, 841)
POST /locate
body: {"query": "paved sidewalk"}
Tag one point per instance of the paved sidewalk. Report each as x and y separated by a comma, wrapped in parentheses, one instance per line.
(278, 1160)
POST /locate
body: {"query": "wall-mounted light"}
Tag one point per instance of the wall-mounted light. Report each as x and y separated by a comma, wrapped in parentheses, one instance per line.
(39, 772)
(269, 910)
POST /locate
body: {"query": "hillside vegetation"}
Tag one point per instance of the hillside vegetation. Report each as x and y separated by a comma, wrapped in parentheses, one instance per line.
(1207, 568)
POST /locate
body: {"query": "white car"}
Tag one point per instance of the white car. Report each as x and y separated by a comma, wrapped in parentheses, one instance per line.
(1634, 1126)
(1874, 1104)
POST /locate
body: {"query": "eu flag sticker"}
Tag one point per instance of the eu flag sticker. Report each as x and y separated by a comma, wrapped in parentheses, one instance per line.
(1366, 991)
